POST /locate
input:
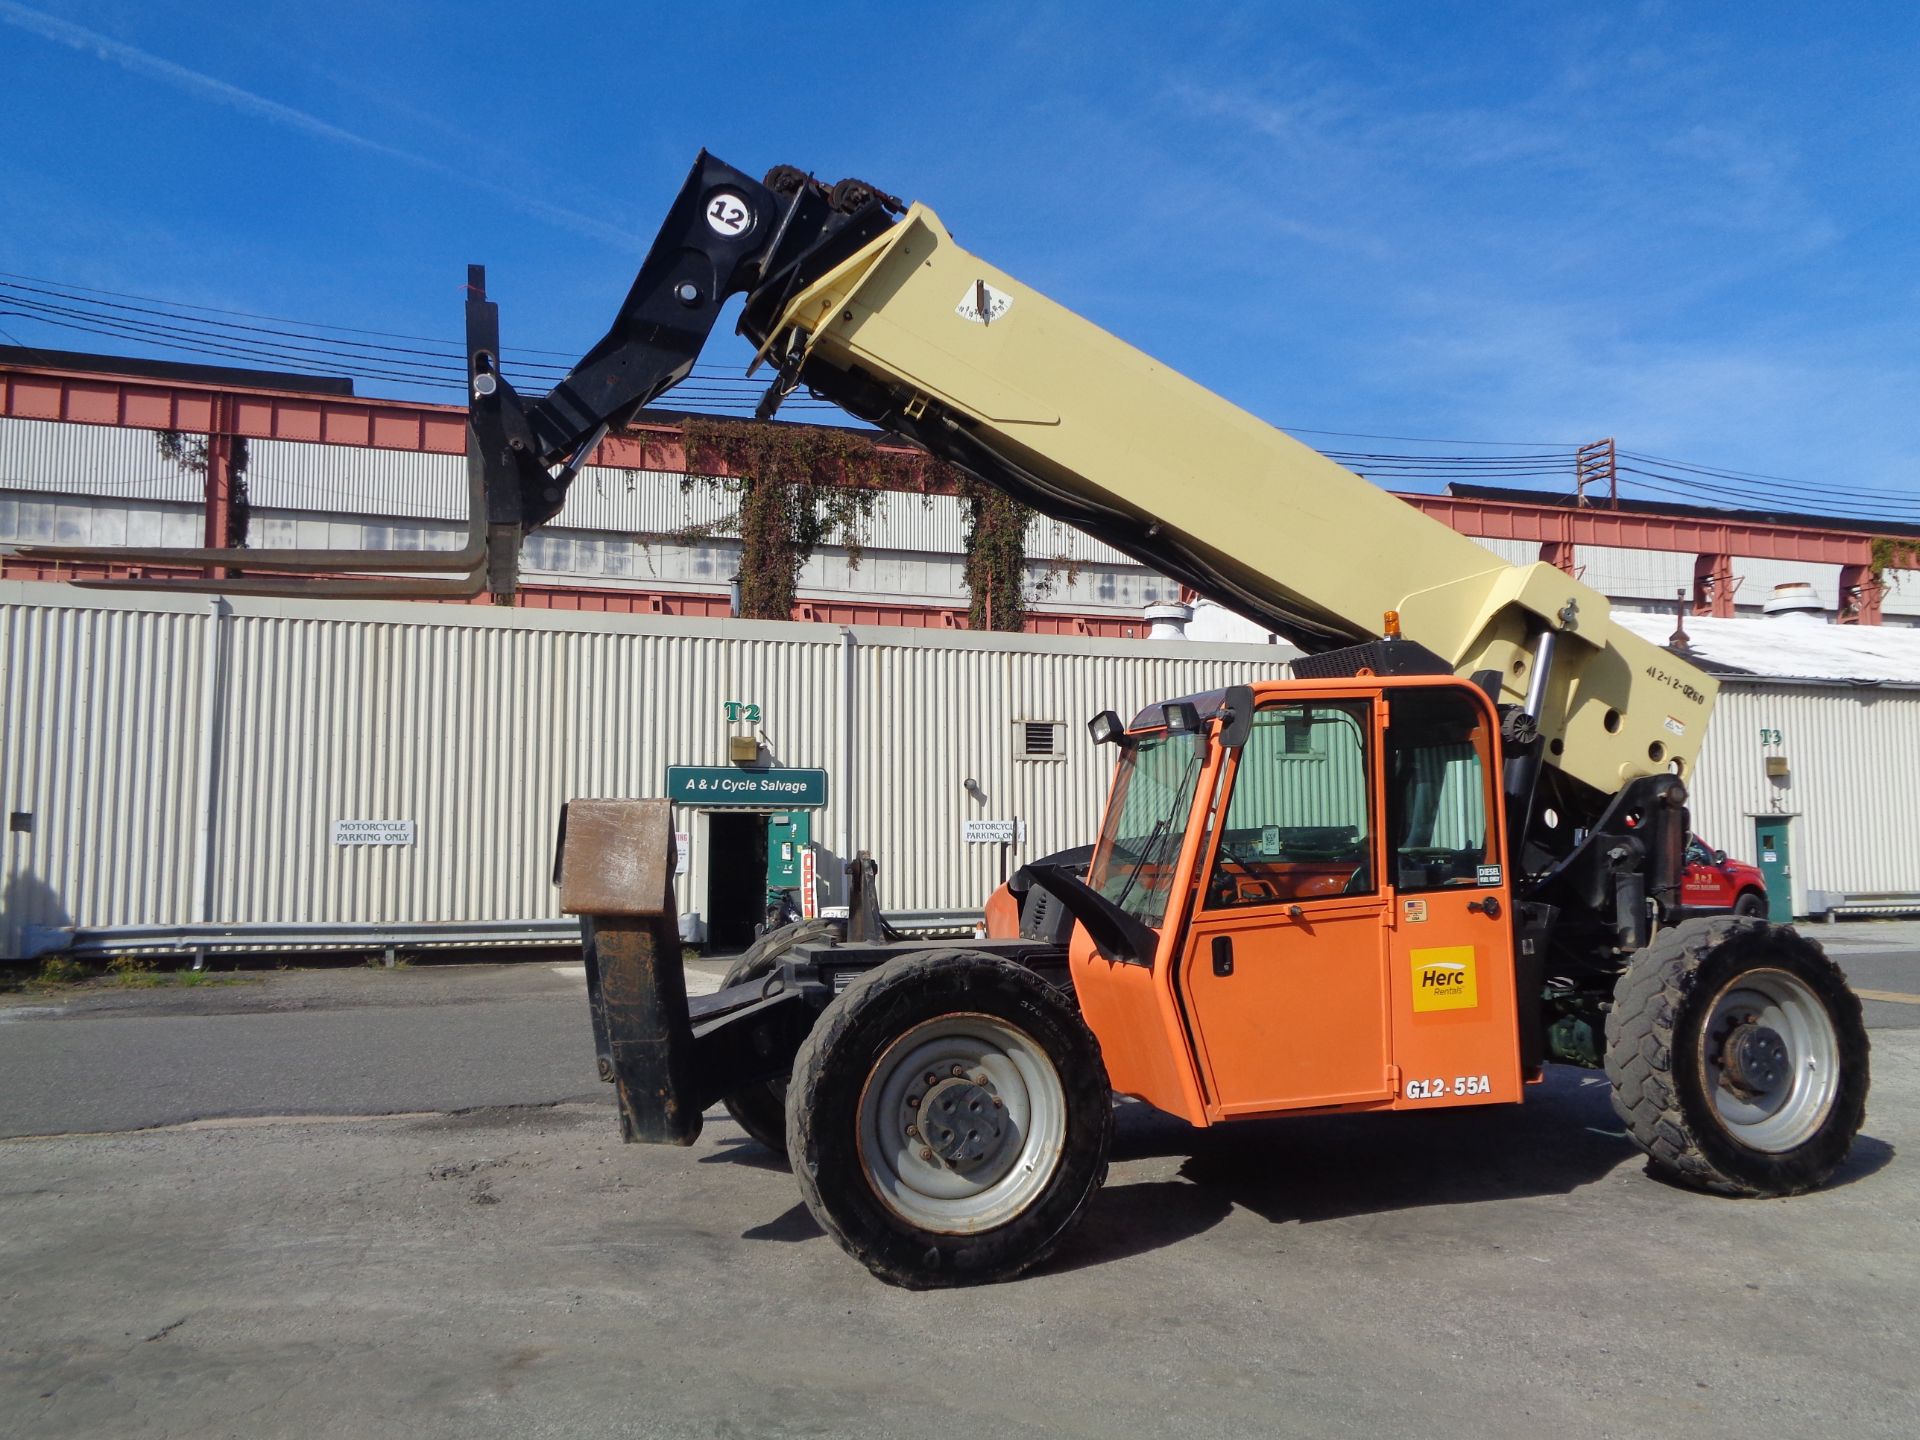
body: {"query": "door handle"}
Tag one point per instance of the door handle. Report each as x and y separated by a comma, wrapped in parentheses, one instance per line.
(1223, 955)
(1490, 907)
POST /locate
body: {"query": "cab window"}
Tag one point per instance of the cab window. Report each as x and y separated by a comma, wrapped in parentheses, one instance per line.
(1299, 821)
(1437, 764)
(1146, 820)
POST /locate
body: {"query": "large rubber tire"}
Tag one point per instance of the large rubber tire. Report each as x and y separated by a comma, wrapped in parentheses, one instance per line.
(761, 1109)
(1675, 1007)
(1043, 1079)
(1751, 904)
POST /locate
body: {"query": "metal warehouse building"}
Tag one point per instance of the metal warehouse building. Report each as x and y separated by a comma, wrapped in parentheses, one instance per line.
(1812, 761)
(381, 774)
(384, 774)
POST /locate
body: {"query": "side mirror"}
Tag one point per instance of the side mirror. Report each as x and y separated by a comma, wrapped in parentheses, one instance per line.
(1239, 706)
(1719, 857)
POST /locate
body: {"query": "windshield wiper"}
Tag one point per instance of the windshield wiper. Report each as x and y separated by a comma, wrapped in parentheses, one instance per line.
(1153, 836)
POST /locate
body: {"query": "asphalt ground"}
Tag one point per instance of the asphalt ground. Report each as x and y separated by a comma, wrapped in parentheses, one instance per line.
(513, 1270)
(357, 1041)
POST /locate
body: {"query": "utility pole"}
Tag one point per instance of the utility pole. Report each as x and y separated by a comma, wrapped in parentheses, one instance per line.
(1593, 464)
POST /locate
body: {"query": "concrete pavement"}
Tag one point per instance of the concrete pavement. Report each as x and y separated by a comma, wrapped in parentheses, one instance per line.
(301, 1042)
(514, 1271)
(519, 1273)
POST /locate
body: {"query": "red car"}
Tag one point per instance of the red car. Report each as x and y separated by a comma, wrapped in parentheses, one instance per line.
(1713, 882)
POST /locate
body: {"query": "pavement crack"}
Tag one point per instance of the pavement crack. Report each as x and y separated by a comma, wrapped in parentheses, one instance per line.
(164, 1331)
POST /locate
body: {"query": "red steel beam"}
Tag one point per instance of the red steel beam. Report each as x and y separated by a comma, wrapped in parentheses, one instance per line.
(145, 404)
(1632, 530)
(595, 600)
(205, 408)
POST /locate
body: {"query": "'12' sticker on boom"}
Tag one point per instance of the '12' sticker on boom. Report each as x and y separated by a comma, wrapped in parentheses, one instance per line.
(1443, 978)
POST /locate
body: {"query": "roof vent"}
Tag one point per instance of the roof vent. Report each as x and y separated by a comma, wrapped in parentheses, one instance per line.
(1794, 600)
(1168, 621)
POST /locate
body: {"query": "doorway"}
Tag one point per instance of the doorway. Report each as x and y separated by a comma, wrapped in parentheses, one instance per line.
(1776, 865)
(736, 877)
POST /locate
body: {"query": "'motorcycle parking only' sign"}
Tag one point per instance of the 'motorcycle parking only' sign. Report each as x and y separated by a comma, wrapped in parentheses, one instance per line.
(373, 832)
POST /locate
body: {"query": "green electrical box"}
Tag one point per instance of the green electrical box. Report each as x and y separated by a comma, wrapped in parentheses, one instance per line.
(788, 832)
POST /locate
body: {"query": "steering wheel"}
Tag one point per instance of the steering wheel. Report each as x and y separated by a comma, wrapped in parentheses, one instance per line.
(1224, 893)
(1436, 862)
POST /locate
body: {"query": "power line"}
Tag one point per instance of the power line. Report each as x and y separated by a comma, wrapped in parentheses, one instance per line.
(320, 348)
(319, 360)
(1693, 487)
(1779, 482)
(246, 314)
(1427, 439)
(448, 351)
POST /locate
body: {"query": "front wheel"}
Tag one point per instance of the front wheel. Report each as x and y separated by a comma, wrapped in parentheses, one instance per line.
(1738, 1057)
(1751, 904)
(949, 1119)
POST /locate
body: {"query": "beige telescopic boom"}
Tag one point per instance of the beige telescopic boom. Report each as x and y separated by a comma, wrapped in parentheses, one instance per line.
(1088, 428)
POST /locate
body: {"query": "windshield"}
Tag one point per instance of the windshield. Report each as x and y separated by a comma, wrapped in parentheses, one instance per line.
(1144, 825)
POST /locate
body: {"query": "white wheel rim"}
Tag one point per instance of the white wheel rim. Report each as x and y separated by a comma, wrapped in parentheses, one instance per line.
(1003, 1062)
(1793, 1111)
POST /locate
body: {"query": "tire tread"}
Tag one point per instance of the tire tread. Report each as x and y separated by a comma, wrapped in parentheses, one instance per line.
(831, 1037)
(1650, 998)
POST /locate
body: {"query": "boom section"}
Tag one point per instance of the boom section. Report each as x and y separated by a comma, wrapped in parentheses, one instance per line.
(918, 335)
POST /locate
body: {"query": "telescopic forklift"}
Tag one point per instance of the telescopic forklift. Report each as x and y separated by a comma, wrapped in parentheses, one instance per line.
(1446, 851)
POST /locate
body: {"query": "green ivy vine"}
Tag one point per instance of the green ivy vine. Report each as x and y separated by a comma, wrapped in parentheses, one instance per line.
(796, 487)
(191, 454)
(995, 572)
(1887, 552)
(793, 487)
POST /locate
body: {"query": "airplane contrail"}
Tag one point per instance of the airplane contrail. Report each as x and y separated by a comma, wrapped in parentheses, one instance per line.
(206, 87)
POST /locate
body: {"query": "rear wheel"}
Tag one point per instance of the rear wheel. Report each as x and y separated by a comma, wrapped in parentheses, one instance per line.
(761, 1108)
(1738, 1057)
(949, 1119)
(1752, 904)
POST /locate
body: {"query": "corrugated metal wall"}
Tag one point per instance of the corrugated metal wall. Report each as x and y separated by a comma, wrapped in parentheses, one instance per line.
(50, 457)
(327, 483)
(478, 724)
(105, 460)
(935, 711)
(479, 733)
(1854, 757)
(100, 763)
(1755, 579)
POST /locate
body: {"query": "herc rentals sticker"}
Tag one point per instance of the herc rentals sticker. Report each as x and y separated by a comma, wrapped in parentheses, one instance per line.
(1443, 978)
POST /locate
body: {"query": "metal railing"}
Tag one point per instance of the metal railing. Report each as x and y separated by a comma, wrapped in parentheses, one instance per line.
(201, 940)
(1830, 904)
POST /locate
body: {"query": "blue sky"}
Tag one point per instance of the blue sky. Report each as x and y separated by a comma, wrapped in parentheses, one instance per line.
(1689, 227)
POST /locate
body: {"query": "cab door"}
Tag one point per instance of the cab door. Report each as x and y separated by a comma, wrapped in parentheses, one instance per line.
(1456, 1038)
(1283, 973)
